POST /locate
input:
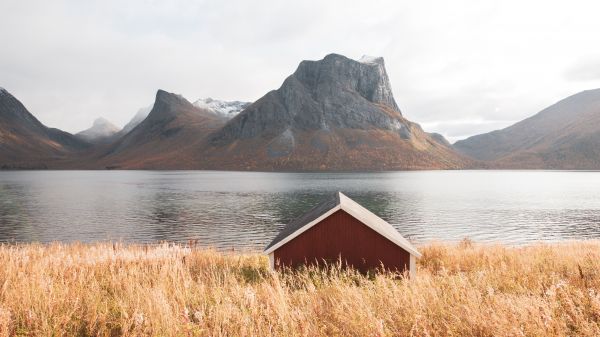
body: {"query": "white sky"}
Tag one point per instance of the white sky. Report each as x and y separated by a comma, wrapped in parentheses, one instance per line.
(456, 67)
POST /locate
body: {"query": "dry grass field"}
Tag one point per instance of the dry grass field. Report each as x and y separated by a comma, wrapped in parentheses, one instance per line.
(462, 289)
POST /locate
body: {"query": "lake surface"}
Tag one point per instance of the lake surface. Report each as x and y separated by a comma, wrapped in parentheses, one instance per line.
(245, 210)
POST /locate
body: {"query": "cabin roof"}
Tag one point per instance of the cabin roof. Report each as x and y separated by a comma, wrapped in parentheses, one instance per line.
(329, 206)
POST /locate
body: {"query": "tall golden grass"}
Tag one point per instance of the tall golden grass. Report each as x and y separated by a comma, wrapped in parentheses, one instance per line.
(460, 290)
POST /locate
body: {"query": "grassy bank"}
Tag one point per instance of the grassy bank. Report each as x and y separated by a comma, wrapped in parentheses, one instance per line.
(461, 290)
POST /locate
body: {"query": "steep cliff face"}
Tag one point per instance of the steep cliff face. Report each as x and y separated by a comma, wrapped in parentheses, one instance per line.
(331, 114)
(566, 135)
(335, 92)
(26, 143)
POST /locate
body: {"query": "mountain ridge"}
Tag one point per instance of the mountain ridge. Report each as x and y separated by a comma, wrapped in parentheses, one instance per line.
(565, 135)
(27, 143)
(172, 126)
(333, 114)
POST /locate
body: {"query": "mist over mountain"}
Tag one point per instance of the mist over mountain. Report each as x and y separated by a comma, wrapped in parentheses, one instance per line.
(101, 131)
(136, 119)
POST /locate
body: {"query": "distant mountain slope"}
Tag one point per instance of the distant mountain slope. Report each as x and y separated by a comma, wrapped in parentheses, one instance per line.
(565, 135)
(227, 109)
(167, 138)
(101, 131)
(26, 143)
(332, 114)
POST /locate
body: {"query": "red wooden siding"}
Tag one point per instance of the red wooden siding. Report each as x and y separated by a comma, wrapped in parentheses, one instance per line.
(340, 234)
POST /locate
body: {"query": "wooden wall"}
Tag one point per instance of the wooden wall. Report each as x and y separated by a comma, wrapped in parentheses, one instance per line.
(342, 235)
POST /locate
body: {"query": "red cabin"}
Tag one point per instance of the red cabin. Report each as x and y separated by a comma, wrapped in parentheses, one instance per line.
(340, 229)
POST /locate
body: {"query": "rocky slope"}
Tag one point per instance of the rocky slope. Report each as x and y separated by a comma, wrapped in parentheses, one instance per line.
(331, 114)
(565, 135)
(101, 131)
(26, 143)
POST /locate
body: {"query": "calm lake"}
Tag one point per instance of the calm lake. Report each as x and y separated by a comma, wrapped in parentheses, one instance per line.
(244, 210)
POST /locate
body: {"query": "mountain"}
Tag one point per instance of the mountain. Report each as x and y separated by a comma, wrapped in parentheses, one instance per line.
(101, 131)
(167, 138)
(334, 114)
(104, 132)
(227, 109)
(26, 143)
(331, 114)
(565, 135)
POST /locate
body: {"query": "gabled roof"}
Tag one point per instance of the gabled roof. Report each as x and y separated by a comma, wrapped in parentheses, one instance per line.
(331, 205)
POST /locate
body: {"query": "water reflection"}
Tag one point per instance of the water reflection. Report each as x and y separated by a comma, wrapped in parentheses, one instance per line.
(12, 213)
(245, 210)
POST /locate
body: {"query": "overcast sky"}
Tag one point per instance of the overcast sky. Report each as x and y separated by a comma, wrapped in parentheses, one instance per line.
(456, 67)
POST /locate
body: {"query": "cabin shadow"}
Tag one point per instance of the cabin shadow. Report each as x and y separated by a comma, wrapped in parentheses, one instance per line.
(340, 267)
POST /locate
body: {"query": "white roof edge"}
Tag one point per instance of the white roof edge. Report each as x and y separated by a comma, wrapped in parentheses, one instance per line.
(361, 214)
(368, 218)
(302, 230)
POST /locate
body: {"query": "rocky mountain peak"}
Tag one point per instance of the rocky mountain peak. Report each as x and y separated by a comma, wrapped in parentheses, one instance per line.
(367, 77)
(334, 113)
(333, 93)
(169, 98)
(167, 105)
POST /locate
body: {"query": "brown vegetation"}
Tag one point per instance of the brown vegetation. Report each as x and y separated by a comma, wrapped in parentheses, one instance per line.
(337, 150)
(165, 290)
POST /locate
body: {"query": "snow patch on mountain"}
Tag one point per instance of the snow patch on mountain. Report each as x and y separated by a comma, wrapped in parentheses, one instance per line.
(227, 109)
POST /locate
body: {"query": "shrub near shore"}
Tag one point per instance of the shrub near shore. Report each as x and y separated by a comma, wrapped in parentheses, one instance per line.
(461, 290)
